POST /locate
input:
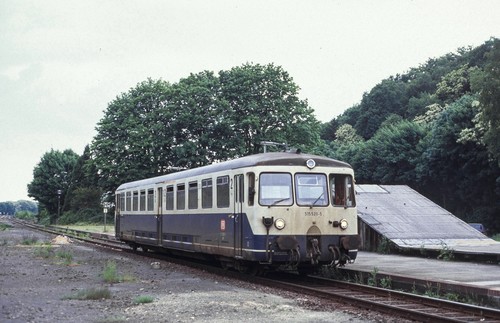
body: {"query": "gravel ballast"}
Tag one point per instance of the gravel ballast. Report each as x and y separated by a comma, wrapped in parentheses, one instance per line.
(39, 283)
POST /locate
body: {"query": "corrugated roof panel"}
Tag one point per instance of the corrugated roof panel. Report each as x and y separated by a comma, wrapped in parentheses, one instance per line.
(362, 188)
(410, 219)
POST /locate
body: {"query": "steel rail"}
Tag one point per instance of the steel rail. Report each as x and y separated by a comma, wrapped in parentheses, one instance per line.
(406, 305)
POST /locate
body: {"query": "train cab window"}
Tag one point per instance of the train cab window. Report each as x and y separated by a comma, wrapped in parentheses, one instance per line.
(223, 191)
(135, 201)
(206, 193)
(342, 190)
(129, 201)
(193, 195)
(169, 201)
(275, 189)
(181, 196)
(311, 189)
(142, 201)
(151, 199)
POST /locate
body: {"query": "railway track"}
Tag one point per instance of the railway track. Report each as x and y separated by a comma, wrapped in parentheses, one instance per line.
(398, 304)
(405, 305)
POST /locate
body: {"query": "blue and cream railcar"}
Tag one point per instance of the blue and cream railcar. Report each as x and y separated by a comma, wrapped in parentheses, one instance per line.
(275, 210)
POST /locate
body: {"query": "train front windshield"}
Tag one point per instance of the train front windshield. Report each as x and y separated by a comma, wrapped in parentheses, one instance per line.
(310, 189)
(275, 189)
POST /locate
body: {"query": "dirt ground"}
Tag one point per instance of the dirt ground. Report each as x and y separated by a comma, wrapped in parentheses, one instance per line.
(42, 279)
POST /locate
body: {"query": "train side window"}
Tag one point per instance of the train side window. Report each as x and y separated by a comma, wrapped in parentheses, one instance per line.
(142, 200)
(135, 201)
(169, 203)
(251, 188)
(193, 195)
(223, 191)
(181, 196)
(151, 199)
(122, 202)
(129, 201)
(342, 190)
(206, 193)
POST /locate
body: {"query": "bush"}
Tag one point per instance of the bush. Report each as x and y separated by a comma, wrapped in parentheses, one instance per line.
(91, 294)
(4, 226)
(44, 218)
(143, 299)
(110, 274)
(25, 215)
(29, 240)
(66, 256)
(44, 251)
(81, 216)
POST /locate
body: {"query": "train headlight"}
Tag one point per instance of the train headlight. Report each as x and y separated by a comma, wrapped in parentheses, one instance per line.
(310, 163)
(343, 224)
(279, 224)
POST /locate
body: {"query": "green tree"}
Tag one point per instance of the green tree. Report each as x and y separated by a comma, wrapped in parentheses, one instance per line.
(156, 127)
(135, 137)
(346, 134)
(203, 129)
(455, 84)
(487, 84)
(458, 174)
(387, 97)
(84, 196)
(50, 175)
(7, 208)
(23, 205)
(263, 104)
(391, 155)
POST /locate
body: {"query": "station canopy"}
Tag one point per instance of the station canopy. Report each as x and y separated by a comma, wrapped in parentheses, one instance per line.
(410, 220)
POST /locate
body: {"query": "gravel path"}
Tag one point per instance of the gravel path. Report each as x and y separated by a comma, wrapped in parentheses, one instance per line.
(40, 283)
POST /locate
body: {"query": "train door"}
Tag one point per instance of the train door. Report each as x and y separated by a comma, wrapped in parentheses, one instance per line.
(238, 214)
(118, 208)
(159, 214)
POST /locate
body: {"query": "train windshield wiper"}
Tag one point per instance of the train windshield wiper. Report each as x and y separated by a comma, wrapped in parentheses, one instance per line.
(278, 201)
(316, 201)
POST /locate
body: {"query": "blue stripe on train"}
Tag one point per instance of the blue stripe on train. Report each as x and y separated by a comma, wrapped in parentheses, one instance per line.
(208, 233)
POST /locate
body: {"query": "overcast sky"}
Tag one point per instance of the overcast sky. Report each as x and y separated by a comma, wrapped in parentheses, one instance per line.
(62, 62)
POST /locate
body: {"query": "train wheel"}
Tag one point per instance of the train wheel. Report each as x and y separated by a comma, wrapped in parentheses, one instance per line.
(224, 265)
(254, 270)
(144, 249)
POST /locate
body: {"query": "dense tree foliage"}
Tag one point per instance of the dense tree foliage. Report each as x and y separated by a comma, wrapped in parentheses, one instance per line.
(435, 128)
(158, 127)
(487, 84)
(263, 104)
(13, 207)
(133, 140)
(53, 174)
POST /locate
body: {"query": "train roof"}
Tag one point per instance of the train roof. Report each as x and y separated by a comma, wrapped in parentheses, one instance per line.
(265, 159)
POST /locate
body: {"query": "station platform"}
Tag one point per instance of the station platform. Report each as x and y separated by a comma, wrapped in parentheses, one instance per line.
(471, 279)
